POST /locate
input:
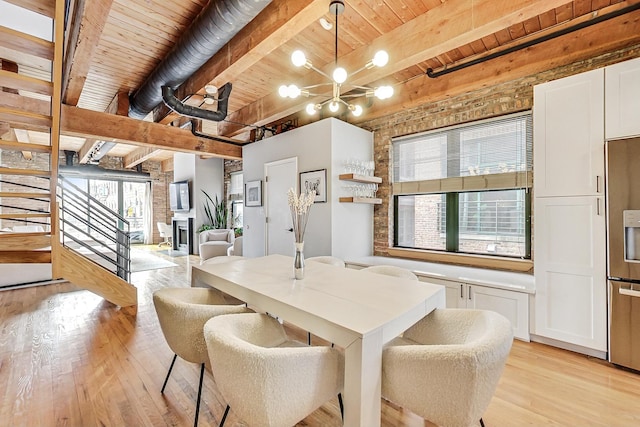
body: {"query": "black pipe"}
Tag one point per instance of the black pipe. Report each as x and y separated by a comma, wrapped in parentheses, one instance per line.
(179, 107)
(433, 74)
(212, 137)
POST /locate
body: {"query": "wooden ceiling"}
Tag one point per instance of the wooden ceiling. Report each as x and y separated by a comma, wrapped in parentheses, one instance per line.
(119, 42)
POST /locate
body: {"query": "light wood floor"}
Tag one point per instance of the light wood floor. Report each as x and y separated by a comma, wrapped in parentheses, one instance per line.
(68, 358)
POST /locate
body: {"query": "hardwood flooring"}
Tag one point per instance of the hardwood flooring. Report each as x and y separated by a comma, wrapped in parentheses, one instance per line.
(68, 358)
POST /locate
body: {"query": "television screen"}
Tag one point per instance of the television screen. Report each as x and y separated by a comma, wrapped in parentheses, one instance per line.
(179, 196)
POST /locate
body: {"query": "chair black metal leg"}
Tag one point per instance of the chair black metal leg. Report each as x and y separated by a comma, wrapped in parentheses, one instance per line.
(309, 338)
(341, 405)
(175, 356)
(195, 423)
(224, 417)
(481, 422)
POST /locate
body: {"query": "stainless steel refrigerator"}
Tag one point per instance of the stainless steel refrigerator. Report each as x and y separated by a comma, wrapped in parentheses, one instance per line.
(623, 235)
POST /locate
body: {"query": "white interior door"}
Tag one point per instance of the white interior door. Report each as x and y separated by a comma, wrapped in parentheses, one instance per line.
(279, 177)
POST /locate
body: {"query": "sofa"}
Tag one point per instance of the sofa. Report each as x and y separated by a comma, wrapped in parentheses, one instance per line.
(215, 242)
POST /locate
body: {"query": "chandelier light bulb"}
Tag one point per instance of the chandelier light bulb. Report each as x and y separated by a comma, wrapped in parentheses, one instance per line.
(283, 91)
(380, 59)
(293, 91)
(298, 58)
(339, 75)
(356, 110)
(334, 106)
(311, 109)
(383, 92)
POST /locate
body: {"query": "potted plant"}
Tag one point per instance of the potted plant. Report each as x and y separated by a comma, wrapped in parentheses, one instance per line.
(216, 212)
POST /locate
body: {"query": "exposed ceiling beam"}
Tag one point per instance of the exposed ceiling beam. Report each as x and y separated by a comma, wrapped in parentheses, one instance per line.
(84, 154)
(111, 127)
(280, 21)
(138, 156)
(445, 27)
(580, 45)
(86, 28)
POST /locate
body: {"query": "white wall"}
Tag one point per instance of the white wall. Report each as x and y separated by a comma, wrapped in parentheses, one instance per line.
(344, 231)
(204, 174)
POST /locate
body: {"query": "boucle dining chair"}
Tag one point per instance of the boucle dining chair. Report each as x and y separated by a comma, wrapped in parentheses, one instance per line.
(326, 259)
(391, 270)
(182, 313)
(446, 367)
(266, 378)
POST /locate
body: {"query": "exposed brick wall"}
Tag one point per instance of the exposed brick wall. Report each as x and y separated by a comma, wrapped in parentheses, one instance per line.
(506, 98)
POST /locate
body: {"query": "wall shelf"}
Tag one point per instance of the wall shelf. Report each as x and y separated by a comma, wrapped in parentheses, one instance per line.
(367, 200)
(360, 178)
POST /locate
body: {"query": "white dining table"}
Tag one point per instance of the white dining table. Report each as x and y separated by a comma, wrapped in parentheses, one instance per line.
(356, 310)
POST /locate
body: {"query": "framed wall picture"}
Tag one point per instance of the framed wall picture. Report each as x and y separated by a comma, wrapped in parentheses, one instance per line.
(315, 180)
(253, 193)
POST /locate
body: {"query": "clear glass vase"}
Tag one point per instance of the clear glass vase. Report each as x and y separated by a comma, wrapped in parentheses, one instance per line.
(298, 261)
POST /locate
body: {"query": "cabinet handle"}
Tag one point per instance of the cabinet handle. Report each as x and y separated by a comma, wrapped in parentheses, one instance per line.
(469, 293)
(461, 291)
(598, 206)
(597, 184)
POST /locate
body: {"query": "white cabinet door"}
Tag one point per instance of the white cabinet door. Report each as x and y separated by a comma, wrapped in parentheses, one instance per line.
(456, 295)
(512, 305)
(622, 99)
(570, 272)
(568, 136)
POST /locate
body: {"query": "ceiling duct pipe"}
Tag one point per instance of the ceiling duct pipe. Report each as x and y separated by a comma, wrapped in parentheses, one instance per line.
(218, 23)
(198, 113)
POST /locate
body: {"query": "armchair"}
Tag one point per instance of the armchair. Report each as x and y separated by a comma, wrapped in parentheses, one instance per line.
(215, 242)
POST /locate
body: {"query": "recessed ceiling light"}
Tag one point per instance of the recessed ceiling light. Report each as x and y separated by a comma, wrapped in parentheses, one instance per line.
(325, 24)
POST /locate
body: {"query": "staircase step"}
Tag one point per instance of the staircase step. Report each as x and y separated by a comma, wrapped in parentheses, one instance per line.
(18, 81)
(25, 43)
(25, 256)
(19, 215)
(20, 117)
(10, 242)
(28, 172)
(34, 195)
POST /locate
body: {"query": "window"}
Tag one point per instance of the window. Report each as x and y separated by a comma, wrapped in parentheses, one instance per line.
(236, 194)
(465, 188)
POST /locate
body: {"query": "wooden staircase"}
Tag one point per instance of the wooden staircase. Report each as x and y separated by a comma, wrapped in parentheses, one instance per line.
(29, 169)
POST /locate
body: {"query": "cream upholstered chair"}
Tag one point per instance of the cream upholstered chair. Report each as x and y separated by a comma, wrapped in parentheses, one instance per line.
(215, 242)
(447, 366)
(390, 270)
(267, 379)
(182, 313)
(236, 248)
(325, 259)
(165, 232)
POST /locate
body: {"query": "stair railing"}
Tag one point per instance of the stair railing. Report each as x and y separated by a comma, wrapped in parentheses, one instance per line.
(93, 229)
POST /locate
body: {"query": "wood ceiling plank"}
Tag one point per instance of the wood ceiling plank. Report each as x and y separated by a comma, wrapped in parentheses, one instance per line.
(564, 13)
(531, 25)
(43, 7)
(92, 124)
(448, 26)
(376, 14)
(581, 7)
(138, 156)
(25, 43)
(580, 45)
(87, 27)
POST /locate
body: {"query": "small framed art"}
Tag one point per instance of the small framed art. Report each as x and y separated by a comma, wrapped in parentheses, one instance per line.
(315, 180)
(253, 193)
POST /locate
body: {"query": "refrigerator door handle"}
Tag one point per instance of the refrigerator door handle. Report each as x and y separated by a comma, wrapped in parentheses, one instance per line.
(629, 292)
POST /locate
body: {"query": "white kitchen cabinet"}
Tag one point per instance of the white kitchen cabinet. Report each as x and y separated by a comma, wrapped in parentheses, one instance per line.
(570, 270)
(622, 99)
(512, 305)
(568, 136)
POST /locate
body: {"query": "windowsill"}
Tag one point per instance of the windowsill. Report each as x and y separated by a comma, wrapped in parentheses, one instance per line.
(482, 261)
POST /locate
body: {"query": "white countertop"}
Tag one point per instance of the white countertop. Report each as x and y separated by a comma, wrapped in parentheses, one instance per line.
(520, 282)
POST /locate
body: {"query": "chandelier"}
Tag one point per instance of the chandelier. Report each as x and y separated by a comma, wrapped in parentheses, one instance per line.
(338, 77)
